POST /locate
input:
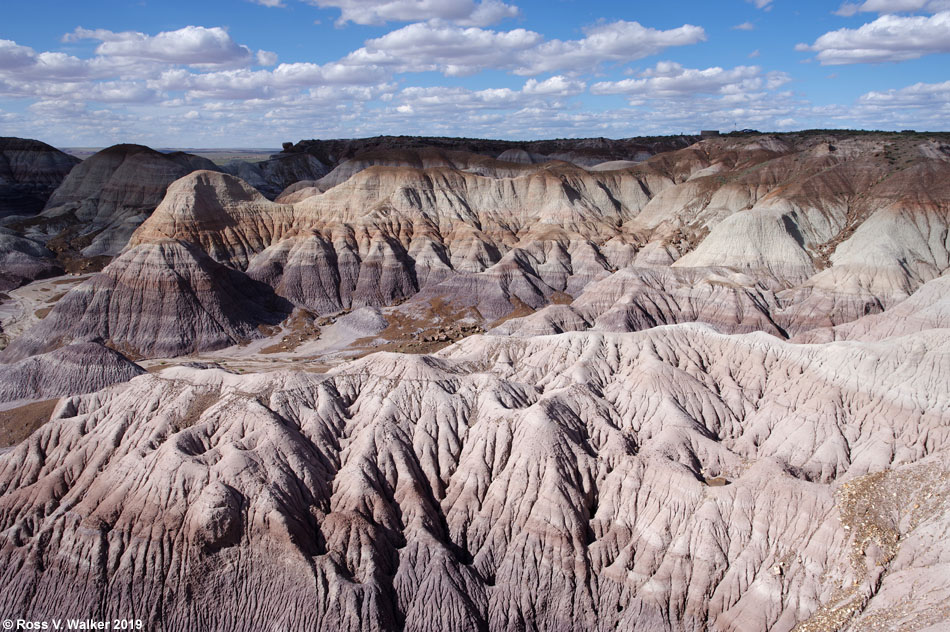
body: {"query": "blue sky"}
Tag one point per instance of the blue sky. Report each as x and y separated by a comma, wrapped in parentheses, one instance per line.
(254, 73)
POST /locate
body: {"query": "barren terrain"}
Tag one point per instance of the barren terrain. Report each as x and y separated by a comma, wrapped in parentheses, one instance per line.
(451, 384)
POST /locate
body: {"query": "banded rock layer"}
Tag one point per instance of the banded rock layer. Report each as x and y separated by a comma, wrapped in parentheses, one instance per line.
(779, 234)
(23, 260)
(563, 482)
(158, 299)
(275, 174)
(110, 194)
(77, 368)
(29, 173)
(634, 445)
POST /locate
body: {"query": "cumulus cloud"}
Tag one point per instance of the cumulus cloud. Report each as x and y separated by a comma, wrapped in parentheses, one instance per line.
(619, 41)
(670, 96)
(847, 9)
(441, 96)
(14, 56)
(458, 51)
(24, 63)
(919, 95)
(489, 12)
(204, 70)
(557, 85)
(534, 93)
(464, 12)
(671, 80)
(745, 26)
(919, 106)
(761, 4)
(24, 73)
(266, 58)
(888, 38)
(121, 92)
(127, 66)
(199, 84)
(262, 84)
(492, 110)
(192, 45)
(452, 50)
(893, 6)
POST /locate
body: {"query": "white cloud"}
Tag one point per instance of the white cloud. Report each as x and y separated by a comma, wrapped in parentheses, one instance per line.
(919, 95)
(269, 3)
(24, 73)
(192, 45)
(464, 12)
(199, 85)
(420, 98)
(457, 51)
(847, 9)
(451, 103)
(888, 38)
(669, 97)
(923, 106)
(120, 92)
(555, 86)
(489, 12)
(266, 58)
(671, 80)
(14, 56)
(745, 26)
(761, 4)
(24, 63)
(452, 50)
(127, 67)
(263, 84)
(893, 6)
(619, 41)
(57, 107)
(353, 111)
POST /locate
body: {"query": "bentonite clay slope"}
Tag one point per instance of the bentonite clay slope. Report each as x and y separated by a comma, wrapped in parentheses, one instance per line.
(78, 368)
(386, 233)
(782, 209)
(565, 482)
(274, 175)
(22, 260)
(105, 199)
(927, 308)
(641, 297)
(29, 173)
(157, 299)
(421, 158)
(303, 165)
(776, 233)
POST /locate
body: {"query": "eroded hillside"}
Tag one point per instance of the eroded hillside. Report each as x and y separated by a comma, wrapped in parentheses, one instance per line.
(434, 389)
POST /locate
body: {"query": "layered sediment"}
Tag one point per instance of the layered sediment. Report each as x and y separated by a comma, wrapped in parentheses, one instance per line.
(710, 395)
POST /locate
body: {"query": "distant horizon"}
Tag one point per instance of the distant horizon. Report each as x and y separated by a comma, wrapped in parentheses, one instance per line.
(277, 149)
(264, 71)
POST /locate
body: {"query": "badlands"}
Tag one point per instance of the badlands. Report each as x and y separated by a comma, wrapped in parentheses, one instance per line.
(454, 384)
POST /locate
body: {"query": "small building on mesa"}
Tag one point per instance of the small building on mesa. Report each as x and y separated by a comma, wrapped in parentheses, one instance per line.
(709, 133)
